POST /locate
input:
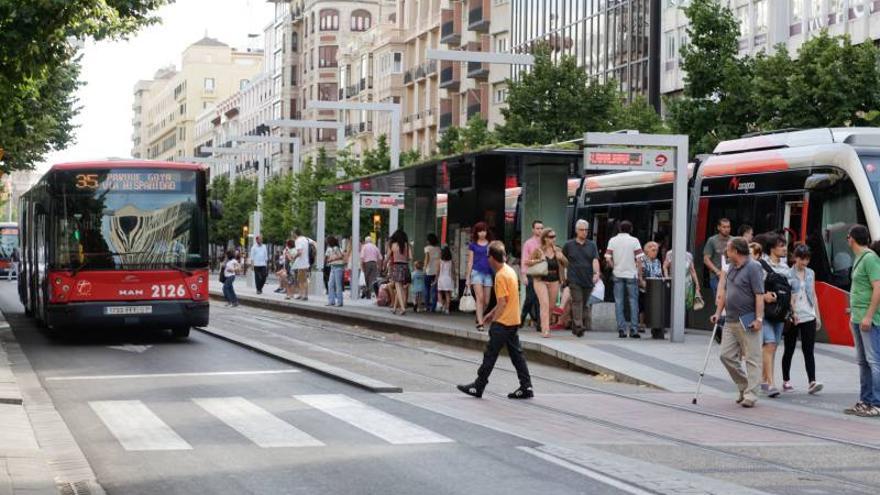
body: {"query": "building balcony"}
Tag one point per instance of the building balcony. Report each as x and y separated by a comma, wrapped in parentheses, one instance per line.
(450, 76)
(419, 72)
(365, 126)
(478, 19)
(449, 34)
(409, 77)
(430, 67)
(473, 110)
(349, 130)
(478, 71)
(352, 90)
(366, 83)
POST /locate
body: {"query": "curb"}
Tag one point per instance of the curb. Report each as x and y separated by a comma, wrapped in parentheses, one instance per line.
(319, 367)
(534, 351)
(10, 392)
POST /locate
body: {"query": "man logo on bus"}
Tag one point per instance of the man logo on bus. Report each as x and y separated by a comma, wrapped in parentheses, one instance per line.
(84, 287)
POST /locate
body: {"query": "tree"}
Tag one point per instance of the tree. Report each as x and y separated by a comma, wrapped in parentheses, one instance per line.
(475, 135)
(555, 102)
(240, 202)
(639, 115)
(410, 157)
(831, 83)
(448, 141)
(39, 67)
(277, 207)
(718, 100)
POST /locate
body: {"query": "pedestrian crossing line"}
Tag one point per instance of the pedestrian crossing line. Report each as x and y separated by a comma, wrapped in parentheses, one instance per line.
(371, 420)
(171, 375)
(255, 423)
(136, 427)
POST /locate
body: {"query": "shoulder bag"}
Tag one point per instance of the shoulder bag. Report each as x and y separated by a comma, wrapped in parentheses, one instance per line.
(467, 304)
(539, 269)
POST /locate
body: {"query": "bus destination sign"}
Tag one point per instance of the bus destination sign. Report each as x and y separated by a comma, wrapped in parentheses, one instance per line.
(129, 181)
(655, 160)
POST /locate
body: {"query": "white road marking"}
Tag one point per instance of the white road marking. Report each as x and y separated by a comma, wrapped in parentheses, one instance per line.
(371, 420)
(589, 473)
(137, 349)
(136, 426)
(170, 375)
(257, 424)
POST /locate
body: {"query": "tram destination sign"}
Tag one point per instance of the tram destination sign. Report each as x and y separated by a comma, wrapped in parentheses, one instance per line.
(649, 160)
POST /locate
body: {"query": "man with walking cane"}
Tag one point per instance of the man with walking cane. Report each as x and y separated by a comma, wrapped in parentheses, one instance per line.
(742, 295)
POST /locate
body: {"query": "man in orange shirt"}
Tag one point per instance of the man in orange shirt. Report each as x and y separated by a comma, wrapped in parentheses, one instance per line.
(505, 320)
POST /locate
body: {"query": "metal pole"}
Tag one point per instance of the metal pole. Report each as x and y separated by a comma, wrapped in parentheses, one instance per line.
(679, 241)
(392, 220)
(321, 234)
(355, 242)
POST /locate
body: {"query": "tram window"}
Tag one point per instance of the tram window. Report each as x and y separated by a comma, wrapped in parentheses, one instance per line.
(838, 215)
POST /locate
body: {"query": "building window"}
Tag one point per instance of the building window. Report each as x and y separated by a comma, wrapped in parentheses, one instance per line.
(500, 95)
(209, 84)
(329, 20)
(816, 21)
(397, 66)
(501, 44)
(327, 91)
(760, 7)
(242, 83)
(360, 20)
(294, 42)
(835, 11)
(182, 133)
(671, 54)
(742, 15)
(182, 108)
(327, 56)
(796, 17)
(312, 17)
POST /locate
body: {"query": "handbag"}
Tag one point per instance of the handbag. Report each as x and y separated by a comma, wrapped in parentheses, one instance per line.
(539, 269)
(467, 304)
(223, 275)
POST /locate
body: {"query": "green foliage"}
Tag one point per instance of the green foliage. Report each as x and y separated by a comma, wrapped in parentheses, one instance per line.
(239, 200)
(219, 191)
(639, 115)
(410, 157)
(277, 207)
(39, 68)
(448, 142)
(476, 135)
(555, 102)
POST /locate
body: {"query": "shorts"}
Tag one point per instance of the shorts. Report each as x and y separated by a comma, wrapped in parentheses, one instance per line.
(772, 331)
(302, 276)
(480, 278)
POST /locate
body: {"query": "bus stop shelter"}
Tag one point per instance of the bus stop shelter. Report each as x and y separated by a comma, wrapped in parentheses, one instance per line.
(504, 187)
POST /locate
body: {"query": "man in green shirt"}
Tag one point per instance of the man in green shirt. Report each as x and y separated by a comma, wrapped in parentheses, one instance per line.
(864, 301)
(713, 253)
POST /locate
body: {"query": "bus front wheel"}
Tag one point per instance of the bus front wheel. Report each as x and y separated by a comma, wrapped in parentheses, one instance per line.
(180, 332)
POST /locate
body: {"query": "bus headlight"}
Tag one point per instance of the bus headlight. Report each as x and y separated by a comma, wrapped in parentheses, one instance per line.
(58, 281)
(201, 280)
(193, 286)
(65, 288)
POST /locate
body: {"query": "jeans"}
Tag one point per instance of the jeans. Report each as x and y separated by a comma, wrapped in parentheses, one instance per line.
(334, 285)
(868, 356)
(738, 344)
(531, 306)
(581, 311)
(626, 288)
(430, 293)
(260, 274)
(499, 337)
(713, 284)
(229, 290)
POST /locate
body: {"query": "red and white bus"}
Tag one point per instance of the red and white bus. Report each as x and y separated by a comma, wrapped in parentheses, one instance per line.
(117, 244)
(813, 184)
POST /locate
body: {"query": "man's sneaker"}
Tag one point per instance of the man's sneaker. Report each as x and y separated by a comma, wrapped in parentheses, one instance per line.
(472, 389)
(521, 393)
(634, 335)
(869, 412)
(740, 398)
(853, 410)
(773, 392)
(765, 387)
(815, 388)
(787, 387)
(747, 403)
(621, 334)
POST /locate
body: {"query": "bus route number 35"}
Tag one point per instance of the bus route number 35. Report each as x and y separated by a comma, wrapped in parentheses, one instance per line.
(170, 290)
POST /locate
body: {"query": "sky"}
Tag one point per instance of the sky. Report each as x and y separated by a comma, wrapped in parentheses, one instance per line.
(110, 69)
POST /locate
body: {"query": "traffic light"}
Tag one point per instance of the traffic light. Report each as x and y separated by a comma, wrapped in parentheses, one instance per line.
(377, 224)
(244, 234)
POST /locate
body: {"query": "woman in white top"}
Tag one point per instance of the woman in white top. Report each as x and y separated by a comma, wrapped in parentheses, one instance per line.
(230, 269)
(806, 320)
(432, 269)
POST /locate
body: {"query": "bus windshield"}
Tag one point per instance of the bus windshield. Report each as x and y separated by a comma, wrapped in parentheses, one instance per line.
(8, 241)
(133, 219)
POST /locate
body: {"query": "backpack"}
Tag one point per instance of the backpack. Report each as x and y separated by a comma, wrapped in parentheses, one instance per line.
(778, 283)
(313, 254)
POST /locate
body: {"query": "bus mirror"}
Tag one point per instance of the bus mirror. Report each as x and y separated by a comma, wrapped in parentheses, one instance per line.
(216, 209)
(818, 182)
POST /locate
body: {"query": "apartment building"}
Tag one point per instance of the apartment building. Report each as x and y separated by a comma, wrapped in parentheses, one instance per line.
(371, 70)
(766, 23)
(166, 108)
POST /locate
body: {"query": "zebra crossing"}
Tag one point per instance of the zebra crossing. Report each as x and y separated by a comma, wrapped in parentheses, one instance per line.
(138, 428)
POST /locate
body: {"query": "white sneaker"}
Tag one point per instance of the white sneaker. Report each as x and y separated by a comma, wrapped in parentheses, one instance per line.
(815, 387)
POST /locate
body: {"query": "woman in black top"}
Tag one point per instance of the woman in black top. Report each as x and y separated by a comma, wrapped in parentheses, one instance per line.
(547, 286)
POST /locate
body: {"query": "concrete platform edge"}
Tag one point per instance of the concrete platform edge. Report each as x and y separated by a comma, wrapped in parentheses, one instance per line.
(455, 336)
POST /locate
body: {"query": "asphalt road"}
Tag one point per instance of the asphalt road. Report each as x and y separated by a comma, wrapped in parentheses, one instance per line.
(154, 415)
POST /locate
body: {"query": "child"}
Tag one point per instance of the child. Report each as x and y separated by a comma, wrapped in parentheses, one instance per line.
(444, 279)
(418, 286)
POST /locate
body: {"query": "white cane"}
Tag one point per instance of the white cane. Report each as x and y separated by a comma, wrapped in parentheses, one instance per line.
(705, 363)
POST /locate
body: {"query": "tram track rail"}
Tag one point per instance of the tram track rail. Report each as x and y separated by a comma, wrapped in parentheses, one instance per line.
(316, 325)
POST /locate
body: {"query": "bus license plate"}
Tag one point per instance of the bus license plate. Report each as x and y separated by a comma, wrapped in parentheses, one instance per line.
(128, 310)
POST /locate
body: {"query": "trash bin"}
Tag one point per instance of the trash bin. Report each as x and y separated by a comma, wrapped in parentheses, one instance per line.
(658, 292)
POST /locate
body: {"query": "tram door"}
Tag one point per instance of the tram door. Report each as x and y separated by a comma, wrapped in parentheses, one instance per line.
(793, 221)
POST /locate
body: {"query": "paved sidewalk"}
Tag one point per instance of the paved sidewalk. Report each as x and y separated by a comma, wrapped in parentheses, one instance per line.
(660, 364)
(24, 468)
